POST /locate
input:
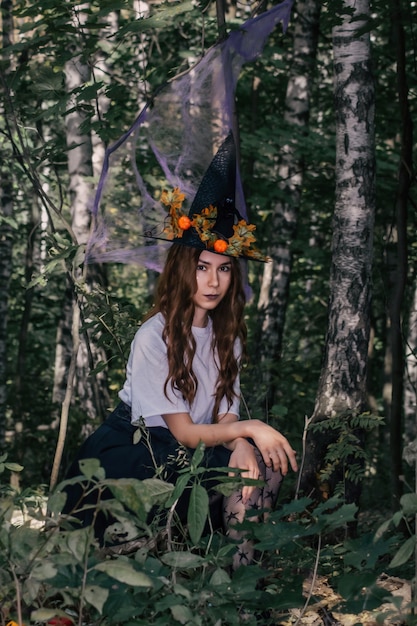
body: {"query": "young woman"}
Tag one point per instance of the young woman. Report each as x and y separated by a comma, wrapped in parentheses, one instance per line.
(182, 383)
(182, 378)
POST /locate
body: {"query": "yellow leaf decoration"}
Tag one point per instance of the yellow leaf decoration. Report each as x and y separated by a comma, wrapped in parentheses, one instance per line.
(243, 233)
(204, 222)
(173, 199)
(239, 244)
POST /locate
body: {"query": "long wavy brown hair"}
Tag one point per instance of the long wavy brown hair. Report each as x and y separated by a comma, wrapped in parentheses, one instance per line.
(174, 299)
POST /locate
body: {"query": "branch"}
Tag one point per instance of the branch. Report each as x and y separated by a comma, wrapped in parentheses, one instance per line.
(63, 423)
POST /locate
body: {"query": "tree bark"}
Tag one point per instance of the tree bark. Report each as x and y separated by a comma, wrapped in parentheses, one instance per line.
(410, 376)
(6, 234)
(20, 376)
(396, 298)
(273, 298)
(342, 385)
(6, 248)
(142, 10)
(90, 391)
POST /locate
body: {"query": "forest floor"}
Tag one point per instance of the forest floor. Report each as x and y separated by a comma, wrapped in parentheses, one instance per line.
(323, 610)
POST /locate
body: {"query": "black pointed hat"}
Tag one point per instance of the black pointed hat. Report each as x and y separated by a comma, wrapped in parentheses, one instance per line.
(213, 223)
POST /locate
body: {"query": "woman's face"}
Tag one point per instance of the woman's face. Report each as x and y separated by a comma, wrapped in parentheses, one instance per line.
(213, 275)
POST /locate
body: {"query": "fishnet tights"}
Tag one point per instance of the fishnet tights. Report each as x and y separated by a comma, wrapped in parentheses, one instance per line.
(234, 510)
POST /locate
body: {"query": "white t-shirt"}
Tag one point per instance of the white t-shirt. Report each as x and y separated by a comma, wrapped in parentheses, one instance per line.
(147, 371)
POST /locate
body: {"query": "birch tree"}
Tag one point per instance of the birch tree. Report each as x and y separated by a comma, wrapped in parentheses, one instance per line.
(410, 376)
(273, 297)
(342, 386)
(91, 391)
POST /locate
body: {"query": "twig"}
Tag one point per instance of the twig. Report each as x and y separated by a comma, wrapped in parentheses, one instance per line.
(85, 573)
(169, 535)
(169, 525)
(18, 596)
(313, 582)
(307, 422)
(63, 423)
(245, 405)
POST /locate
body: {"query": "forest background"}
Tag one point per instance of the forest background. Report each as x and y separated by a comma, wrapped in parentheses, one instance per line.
(325, 118)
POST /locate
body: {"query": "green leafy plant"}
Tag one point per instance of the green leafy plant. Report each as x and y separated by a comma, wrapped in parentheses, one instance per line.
(51, 568)
(154, 572)
(405, 518)
(346, 456)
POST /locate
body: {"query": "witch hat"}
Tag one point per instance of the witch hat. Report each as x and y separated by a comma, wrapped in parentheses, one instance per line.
(213, 223)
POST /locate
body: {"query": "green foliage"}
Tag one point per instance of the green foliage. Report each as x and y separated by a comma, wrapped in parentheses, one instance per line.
(405, 517)
(346, 453)
(7, 465)
(160, 19)
(48, 569)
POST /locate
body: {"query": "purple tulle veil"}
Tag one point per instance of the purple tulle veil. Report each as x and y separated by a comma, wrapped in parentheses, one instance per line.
(175, 136)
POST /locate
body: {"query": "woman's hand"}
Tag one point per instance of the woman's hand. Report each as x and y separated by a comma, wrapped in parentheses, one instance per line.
(275, 448)
(243, 457)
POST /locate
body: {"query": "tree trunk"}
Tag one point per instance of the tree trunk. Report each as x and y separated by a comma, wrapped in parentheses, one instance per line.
(342, 386)
(142, 11)
(102, 72)
(6, 246)
(90, 392)
(410, 377)
(6, 235)
(20, 377)
(396, 296)
(273, 298)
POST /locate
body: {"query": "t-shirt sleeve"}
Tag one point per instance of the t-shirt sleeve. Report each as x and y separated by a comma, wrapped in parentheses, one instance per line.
(146, 373)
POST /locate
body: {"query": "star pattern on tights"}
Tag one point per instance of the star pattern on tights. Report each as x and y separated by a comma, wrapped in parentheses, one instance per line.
(232, 516)
(243, 556)
(269, 495)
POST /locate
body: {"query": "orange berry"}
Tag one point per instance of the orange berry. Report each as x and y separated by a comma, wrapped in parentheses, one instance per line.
(184, 222)
(220, 246)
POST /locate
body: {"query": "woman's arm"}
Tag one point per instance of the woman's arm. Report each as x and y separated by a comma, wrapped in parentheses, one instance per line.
(274, 447)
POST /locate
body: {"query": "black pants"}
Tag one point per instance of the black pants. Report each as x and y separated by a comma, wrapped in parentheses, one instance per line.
(112, 444)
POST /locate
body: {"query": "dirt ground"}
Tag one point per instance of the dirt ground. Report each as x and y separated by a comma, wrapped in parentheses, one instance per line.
(320, 611)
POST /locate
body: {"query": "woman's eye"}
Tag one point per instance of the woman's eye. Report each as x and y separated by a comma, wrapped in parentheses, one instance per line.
(225, 268)
(201, 267)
